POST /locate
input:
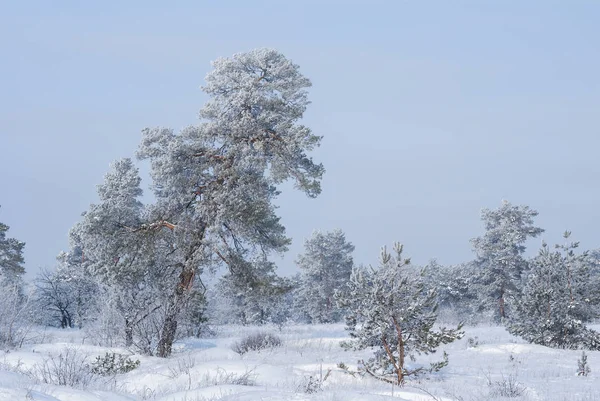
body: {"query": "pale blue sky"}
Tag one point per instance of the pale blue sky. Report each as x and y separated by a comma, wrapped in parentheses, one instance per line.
(430, 110)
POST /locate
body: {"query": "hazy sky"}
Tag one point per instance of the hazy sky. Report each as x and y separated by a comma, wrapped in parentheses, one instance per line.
(429, 110)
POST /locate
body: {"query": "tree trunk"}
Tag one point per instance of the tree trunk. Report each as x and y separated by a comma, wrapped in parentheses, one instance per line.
(128, 333)
(176, 305)
(401, 352)
(501, 303)
(167, 336)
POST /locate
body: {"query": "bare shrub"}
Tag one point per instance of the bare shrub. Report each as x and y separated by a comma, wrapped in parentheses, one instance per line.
(69, 368)
(473, 342)
(248, 378)
(313, 384)
(15, 324)
(106, 328)
(256, 342)
(507, 386)
(183, 367)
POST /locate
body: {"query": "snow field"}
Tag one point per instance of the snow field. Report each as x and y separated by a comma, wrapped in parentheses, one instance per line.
(487, 364)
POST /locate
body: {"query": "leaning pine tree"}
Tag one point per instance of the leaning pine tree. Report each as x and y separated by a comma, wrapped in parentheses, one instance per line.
(215, 183)
(391, 310)
(554, 305)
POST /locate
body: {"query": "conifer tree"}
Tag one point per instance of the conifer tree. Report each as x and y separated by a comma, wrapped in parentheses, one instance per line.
(500, 253)
(127, 266)
(11, 258)
(554, 306)
(253, 294)
(325, 266)
(14, 304)
(215, 183)
(390, 308)
(456, 288)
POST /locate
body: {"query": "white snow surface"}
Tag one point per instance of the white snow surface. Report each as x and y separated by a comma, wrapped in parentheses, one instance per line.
(208, 370)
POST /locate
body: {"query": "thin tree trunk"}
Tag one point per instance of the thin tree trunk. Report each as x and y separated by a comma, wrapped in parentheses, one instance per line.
(501, 303)
(401, 351)
(398, 369)
(128, 333)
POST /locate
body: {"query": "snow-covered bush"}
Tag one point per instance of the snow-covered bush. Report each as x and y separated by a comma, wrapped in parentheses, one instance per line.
(256, 342)
(390, 309)
(112, 363)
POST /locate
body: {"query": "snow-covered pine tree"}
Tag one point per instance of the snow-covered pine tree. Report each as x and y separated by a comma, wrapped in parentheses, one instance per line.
(326, 266)
(127, 266)
(553, 307)
(11, 258)
(253, 294)
(593, 294)
(13, 302)
(215, 183)
(390, 308)
(456, 290)
(500, 253)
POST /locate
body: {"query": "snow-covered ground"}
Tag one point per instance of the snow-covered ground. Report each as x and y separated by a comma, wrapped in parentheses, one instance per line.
(480, 369)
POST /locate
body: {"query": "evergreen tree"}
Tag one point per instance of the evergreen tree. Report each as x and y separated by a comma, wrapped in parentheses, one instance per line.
(253, 294)
(326, 266)
(126, 265)
(500, 253)
(554, 306)
(215, 183)
(11, 258)
(456, 288)
(390, 309)
(14, 304)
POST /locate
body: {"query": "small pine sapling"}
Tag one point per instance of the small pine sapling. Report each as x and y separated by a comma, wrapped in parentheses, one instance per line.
(391, 310)
(583, 369)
